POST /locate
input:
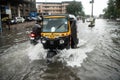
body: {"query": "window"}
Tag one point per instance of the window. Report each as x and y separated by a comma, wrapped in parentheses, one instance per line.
(55, 25)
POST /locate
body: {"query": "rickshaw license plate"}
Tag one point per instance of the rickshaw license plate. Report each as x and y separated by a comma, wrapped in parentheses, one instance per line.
(51, 42)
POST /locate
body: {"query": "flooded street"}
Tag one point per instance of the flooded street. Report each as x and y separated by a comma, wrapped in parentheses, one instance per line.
(97, 58)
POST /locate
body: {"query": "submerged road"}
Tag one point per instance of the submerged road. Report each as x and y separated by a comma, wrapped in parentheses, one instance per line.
(97, 58)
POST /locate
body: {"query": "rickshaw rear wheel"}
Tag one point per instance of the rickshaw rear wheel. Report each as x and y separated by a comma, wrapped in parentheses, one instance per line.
(68, 46)
(72, 43)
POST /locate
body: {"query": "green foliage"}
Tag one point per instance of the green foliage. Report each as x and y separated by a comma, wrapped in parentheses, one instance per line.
(113, 9)
(117, 2)
(75, 8)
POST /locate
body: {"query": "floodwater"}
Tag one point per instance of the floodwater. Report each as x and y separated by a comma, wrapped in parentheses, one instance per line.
(96, 58)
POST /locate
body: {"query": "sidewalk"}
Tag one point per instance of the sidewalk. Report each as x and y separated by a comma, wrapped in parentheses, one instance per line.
(19, 25)
(17, 33)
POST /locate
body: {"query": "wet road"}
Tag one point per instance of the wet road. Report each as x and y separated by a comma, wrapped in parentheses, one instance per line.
(97, 58)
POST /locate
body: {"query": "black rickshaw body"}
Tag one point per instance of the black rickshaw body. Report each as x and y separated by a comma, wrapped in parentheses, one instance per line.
(56, 32)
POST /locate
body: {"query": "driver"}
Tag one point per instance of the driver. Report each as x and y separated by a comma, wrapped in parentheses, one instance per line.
(37, 28)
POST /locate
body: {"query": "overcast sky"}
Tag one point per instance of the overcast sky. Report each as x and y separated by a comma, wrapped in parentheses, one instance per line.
(99, 5)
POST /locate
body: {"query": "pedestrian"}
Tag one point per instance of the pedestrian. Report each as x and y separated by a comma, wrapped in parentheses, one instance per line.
(8, 23)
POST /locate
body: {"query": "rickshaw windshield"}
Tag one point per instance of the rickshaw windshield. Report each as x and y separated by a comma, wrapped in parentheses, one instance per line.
(55, 25)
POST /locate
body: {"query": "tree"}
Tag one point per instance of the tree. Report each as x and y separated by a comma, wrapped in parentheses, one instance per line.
(75, 8)
(106, 14)
(117, 2)
(112, 10)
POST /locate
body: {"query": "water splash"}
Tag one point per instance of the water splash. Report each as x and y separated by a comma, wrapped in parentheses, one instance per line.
(36, 52)
(74, 57)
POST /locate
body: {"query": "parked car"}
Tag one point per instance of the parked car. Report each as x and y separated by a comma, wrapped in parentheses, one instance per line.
(13, 21)
(19, 19)
(27, 18)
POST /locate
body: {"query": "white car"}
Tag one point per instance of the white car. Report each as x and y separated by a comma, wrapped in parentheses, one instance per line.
(89, 19)
(118, 19)
(19, 19)
(13, 21)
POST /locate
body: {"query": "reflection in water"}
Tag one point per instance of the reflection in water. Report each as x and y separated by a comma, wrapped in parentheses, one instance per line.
(9, 38)
(53, 71)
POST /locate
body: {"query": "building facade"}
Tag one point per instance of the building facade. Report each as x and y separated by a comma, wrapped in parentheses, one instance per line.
(52, 7)
(13, 8)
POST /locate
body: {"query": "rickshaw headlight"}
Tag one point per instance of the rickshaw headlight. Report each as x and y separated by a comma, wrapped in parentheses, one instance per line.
(62, 41)
(43, 41)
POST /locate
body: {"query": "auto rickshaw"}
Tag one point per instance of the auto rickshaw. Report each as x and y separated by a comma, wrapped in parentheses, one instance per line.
(58, 32)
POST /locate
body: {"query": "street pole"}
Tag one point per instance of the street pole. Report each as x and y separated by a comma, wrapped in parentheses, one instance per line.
(92, 22)
(92, 9)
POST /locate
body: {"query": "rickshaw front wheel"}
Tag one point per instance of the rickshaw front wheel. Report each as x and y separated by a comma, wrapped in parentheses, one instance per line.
(51, 53)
